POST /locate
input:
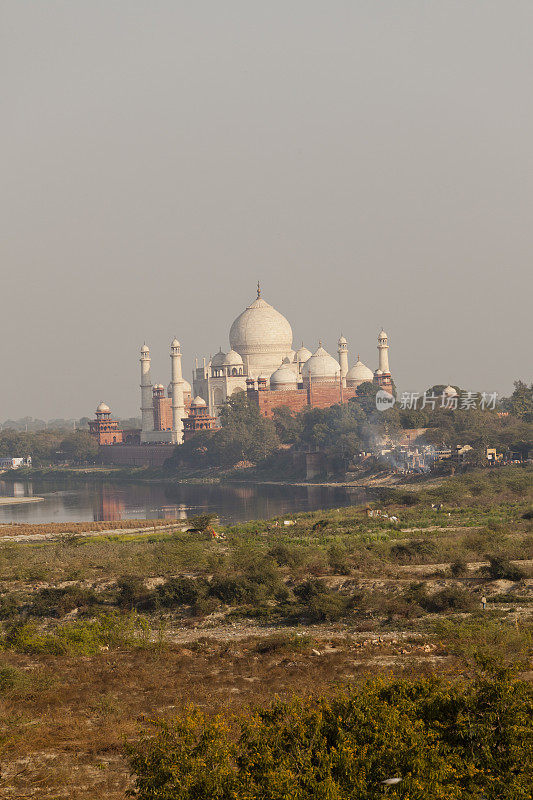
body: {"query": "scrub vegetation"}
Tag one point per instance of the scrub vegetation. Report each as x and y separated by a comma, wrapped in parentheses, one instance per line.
(179, 643)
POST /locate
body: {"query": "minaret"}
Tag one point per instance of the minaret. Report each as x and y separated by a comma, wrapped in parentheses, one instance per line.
(383, 352)
(178, 405)
(147, 407)
(343, 358)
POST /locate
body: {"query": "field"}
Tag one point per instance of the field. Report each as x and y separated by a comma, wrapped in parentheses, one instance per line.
(103, 632)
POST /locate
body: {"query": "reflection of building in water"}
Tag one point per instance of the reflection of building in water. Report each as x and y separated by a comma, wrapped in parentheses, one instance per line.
(108, 505)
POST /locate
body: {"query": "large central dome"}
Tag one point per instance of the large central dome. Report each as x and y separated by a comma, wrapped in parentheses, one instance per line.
(262, 336)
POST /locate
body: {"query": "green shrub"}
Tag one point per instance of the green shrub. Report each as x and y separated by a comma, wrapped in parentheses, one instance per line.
(78, 638)
(181, 591)
(415, 550)
(501, 568)
(443, 740)
(51, 602)
(133, 595)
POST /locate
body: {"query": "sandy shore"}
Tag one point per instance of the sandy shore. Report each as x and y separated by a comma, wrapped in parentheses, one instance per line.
(15, 501)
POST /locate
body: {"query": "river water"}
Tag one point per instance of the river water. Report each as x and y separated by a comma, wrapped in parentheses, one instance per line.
(91, 501)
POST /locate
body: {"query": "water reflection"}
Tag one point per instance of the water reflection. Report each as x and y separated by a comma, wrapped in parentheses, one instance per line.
(232, 502)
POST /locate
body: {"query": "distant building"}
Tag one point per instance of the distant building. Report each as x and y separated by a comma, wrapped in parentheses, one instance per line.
(199, 419)
(15, 462)
(105, 430)
(261, 361)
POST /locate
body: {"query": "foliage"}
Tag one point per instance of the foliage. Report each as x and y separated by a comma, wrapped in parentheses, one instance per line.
(78, 638)
(460, 741)
(245, 435)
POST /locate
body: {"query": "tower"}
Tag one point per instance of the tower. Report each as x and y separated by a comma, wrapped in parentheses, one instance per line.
(178, 406)
(147, 408)
(343, 358)
(383, 352)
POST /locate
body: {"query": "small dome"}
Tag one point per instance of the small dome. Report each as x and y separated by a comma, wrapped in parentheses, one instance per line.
(359, 373)
(382, 335)
(103, 408)
(449, 391)
(175, 343)
(185, 386)
(302, 355)
(159, 386)
(342, 340)
(283, 377)
(321, 365)
(198, 402)
(145, 349)
(287, 360)
(378, 372)
(218, 359)
(233, 359)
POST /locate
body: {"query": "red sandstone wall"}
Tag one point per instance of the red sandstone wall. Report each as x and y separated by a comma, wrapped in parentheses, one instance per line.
(131, 455)
(318, 397)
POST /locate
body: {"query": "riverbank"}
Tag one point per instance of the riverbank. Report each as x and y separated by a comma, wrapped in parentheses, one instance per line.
(16, 501)
(213, 476)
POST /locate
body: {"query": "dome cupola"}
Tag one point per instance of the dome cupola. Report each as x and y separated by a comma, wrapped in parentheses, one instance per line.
(262, 337)
(321, 367)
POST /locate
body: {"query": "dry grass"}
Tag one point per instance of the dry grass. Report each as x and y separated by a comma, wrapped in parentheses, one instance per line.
(65, 528)
(63, 726)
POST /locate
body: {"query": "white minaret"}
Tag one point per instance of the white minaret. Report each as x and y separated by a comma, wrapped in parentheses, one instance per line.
(383, 352)
(178, 405)
(343, 358)
(147, 406)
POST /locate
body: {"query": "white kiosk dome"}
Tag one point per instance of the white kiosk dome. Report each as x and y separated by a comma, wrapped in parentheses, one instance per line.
(233, 359)
(358, 374)
(262, 336)
(283, 378)
(198, 402)
(302, 355)
(103, 408)
(449, 391)
(321, 367)
(218, 359)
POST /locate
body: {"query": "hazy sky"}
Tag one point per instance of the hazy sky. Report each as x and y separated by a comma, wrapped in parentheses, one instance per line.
(369, 161)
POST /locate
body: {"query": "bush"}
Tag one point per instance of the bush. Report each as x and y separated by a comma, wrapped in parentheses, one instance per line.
(181, 592)
(58, 602)
(444, 740)
(459, 568)
(133, 595)
(451, 598)
(501, 568)
(407, 552)
(78, 638)
(320, 603)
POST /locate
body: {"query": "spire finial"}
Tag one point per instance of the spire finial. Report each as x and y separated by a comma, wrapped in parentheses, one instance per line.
(320, 342)
(258, 290)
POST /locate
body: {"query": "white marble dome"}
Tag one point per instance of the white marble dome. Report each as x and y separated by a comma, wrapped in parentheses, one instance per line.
(262, 336)
(198, 402)
(218, 359)
(321, 367)
(449, 391)
(103, 408)
(185, 386)
(358, 374)
(233, 359)
(283, 378)
(302, 354)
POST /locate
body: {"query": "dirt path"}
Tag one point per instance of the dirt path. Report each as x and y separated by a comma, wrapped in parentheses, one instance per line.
(41, 537)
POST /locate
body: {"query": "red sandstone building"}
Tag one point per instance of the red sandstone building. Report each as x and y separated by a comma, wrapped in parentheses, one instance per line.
(103, 428)
(198, 419)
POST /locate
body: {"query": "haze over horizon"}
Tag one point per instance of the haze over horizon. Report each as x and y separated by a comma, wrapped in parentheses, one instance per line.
(369, 163)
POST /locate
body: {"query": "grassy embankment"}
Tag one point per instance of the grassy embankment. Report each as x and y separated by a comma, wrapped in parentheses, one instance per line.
(100, 631)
